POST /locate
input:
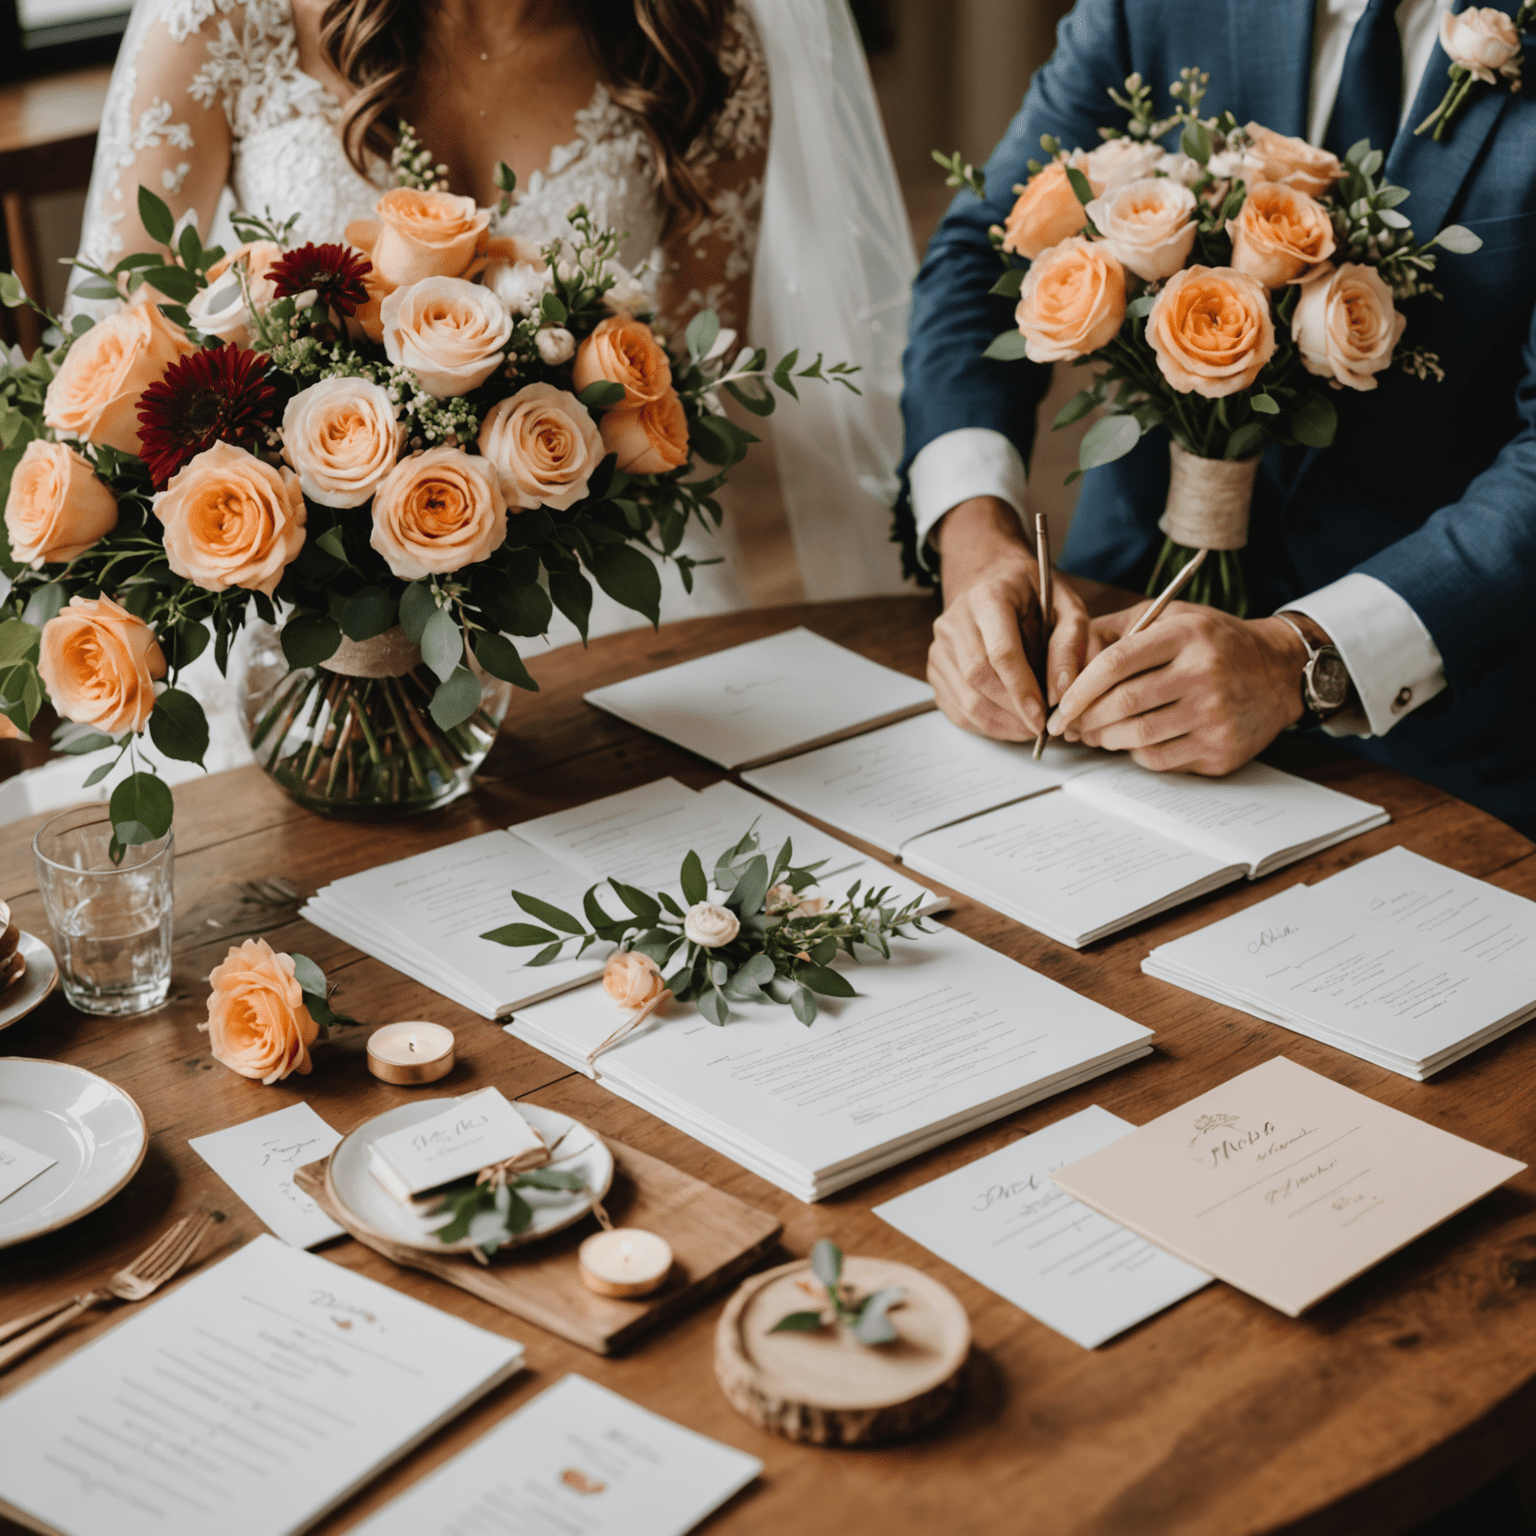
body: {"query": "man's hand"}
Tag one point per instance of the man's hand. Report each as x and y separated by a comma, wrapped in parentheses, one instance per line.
(978, 663)
(1197, 690)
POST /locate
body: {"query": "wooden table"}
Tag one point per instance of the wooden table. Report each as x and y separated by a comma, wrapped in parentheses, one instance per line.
(1385, 1404)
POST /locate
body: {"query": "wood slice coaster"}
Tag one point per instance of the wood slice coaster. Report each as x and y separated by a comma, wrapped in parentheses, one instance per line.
(826, 1387)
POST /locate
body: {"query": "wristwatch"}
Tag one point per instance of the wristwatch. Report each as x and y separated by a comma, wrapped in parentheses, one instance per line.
(1324, 679)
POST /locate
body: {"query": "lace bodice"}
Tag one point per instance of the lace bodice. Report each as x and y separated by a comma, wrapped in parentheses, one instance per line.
(208, 108)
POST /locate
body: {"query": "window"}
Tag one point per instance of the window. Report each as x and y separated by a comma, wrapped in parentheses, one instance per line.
(44, 37)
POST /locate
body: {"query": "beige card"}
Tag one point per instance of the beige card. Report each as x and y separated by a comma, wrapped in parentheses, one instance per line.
(1283, 1183)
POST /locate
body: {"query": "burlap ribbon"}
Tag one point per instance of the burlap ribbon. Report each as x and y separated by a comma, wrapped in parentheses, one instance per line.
(1208, 500)
(386, 655)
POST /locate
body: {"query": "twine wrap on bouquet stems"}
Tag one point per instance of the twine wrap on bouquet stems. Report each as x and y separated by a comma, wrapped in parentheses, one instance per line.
(1208, 500)
(388, 655)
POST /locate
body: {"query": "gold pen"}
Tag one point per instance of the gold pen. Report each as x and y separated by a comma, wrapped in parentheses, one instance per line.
(1043, 558)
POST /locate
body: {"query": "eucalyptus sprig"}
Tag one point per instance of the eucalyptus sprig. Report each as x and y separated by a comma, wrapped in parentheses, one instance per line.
(490, 1212)
(868, 1320)
(763, 942)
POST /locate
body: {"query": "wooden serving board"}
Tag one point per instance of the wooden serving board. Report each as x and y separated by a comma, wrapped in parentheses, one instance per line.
(714, 1236)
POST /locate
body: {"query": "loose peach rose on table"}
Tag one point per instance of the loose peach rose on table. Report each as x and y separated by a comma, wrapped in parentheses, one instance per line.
(1148, 224)
(419, 234)
(1280, 235)
(258, 1024)
(1346, 327)
(624, 351)
(342, 437)
(1211, 330)
(100, 664)
(56, 508)
(1072, 301)
(221, 309)
(1047, 212)
(451, 333)
(651, 440)
(232, 520)
(631, 979)
(437, 512)
(544, 445)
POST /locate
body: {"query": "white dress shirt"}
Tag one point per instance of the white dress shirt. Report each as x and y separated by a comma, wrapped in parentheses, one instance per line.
(1394, 662)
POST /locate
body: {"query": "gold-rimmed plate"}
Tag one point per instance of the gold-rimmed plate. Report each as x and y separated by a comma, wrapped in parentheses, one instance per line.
(36, 982)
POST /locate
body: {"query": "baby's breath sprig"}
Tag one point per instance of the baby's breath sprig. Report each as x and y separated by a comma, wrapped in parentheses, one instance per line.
(411, 162)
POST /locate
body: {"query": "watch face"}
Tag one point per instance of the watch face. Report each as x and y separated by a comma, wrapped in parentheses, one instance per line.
(1328, 680)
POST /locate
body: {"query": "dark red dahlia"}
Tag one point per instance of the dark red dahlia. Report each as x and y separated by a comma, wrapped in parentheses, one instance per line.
(219, 392)
(335, 272)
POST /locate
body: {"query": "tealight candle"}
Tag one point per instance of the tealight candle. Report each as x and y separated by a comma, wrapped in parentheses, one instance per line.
(411, 1053)
(625, 1261)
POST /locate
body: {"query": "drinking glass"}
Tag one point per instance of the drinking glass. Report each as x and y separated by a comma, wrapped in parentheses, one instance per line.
(112, 922)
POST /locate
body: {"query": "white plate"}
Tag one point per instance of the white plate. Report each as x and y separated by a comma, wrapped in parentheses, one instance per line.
(36, 981)
(92, 1129)
(580, 1151)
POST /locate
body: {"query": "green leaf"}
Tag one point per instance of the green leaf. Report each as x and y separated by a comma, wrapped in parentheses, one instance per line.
(695, 886)
(1075, 409)
(1141, 306)
(797, 1322)
(802, 1003)
(573, 597)
(1458, 239)
(498, 656)
(537, 907)
(645, 907)
(43, 604)
(455, 699)
(141, 809)
(1357, 152)
(19, 640)
(442, 644)
(1390, 197)
(628, 577)
(1008, 285)
(178, 726)
(703, 330)
(308, 975)
(820, 978)
(12, 294)
(1195, 141)
(758, 400)
(1080, 185)
(310, 638)
(756, 972)
(596, 916)
(334, 543)
(417, 604)
(1265, 405)
(544, 956)
(551, 1178)
(713, 1006)
(1315, 422)
(552, 311)
(520, 935)
(98, 773)
(368, 612)
(514, 607)
(155, 217)
(185, 642)
(873, 1326)
(78, 746)
(1248, 440)
(827, 1263)
(1006, 347)
(1107, 440)
(174, 282)
(601, 395)
(748, 892)
(505, 177)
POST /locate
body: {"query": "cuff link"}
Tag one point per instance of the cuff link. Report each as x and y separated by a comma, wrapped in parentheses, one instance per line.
(1402, 700)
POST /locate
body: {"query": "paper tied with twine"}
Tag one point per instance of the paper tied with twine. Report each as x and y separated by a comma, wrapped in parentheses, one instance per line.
(627, 1028)
(525, 1161)
(1208, 500)
(388, 655)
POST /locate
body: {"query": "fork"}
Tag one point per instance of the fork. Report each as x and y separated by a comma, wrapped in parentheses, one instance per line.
(146, 1274)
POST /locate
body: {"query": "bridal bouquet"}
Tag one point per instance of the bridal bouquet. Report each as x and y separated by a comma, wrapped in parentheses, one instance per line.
(1224, 291)
(409, 449)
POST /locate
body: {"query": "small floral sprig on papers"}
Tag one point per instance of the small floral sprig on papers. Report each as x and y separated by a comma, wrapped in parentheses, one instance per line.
(867, 1321)
(1485, 45)
(764, 941)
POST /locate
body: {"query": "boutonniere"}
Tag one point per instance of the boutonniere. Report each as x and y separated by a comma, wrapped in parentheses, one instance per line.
(1483, 43)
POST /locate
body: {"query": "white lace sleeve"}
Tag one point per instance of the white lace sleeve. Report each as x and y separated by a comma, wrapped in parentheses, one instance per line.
(711, 265)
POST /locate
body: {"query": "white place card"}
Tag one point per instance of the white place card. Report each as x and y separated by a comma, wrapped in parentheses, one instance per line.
(19, 1165)
(471, 1133)
(1002, 1221)
(249, 1401)
(578, 1460)
(257, 1160)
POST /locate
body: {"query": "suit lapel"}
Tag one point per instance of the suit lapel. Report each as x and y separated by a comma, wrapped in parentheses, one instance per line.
(1269, 50)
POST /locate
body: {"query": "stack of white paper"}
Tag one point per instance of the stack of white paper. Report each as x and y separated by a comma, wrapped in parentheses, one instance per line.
(1325, 968)
(946, 1036)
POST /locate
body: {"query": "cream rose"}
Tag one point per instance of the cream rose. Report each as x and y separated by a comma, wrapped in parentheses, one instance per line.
(784, 901)
(231, 520)
(1272, 156)
(1148, 224)
(99, 664)
(650, 440)
(257, 1024)
(1211, 330)
(95, 394)
(556, 345)
(220, 309)
(710, 926)
(450, 332)
(1047, 212)
(56, 508)
(1483, 40)
(1346, 327)
(421, 234)
(631, 979)
(1117, 162)
(437, 512)
(544, 445)
(518, 274)
(342, 437)
(627, 295)
(1280, 235)
(624, 351)
(1072, 301)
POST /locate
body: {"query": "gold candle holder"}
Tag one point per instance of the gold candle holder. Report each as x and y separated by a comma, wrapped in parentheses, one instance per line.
(410, 1054)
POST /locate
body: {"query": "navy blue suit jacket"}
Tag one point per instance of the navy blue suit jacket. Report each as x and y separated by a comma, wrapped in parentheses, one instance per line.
(1431, 488)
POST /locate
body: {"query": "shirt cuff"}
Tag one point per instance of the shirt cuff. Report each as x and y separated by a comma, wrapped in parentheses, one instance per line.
(1394, 663)
(972, 461)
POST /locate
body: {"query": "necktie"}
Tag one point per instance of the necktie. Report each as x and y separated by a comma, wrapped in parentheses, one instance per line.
(1370, 97)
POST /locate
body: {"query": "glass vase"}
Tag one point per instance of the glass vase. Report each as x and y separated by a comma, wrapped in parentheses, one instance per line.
(354, 737)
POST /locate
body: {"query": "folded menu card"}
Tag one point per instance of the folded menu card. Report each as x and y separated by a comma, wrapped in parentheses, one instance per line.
(19, 1165)
(1326, 970)
(578, 1460)
(945, 1036)
(471, 1133)
(766, 699)
(1002, 1221)
(257, 1160)
(1119, 843)
(425, 915)
(249, 1401)
(1283, 1183)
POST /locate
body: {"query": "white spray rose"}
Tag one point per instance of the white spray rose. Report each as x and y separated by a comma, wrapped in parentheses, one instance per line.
(710, 926)
(556, 345)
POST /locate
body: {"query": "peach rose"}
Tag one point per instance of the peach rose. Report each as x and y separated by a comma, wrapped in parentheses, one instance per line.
(544, 445)
(368, 318)
(231, 520)
(1272, 156)
(1211, 330)
(438, 511)
(1346, 327)
(632, 979)
(1483, 40)
(1280, 235)
(785, 901)
(220, 308)
(1072, 301)
(99, 664)
(95, 394)
(1047, 212)
(342, 437)
(624, 351)
(421, 234)
(257, 1024)
(57, 508)
(1118, 162)
(1148, 224)
(451, 333)
(650, 440)
(9, 731)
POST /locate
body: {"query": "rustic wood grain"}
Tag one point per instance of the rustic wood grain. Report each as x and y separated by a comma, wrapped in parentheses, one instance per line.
(1391, 1400)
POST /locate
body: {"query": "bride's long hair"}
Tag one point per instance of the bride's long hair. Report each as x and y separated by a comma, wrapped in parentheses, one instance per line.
(658, 58)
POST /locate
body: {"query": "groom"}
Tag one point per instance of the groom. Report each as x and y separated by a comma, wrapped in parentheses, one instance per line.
(1408, 547)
